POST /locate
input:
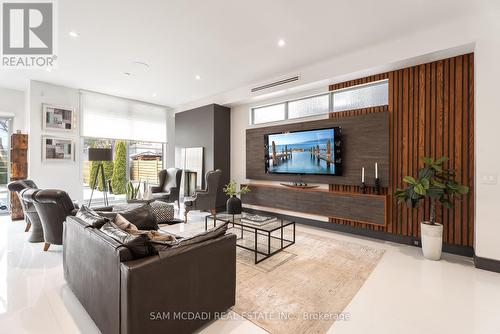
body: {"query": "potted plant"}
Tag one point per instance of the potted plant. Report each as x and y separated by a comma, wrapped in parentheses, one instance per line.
(233, 204)
(437, 184)
(132, 191)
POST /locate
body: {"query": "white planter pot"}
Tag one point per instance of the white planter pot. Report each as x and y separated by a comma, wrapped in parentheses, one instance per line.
(432, 240)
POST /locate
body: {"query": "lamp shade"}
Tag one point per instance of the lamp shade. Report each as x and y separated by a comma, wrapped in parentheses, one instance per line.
(100, 154)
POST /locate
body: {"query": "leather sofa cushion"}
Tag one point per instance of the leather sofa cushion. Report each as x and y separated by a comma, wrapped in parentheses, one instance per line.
(138, 244)
(90, 217)
(141, 216)
(170, 248)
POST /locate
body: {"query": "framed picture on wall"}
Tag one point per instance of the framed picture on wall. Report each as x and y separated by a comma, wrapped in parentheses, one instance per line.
(58, 118)
(57, 149)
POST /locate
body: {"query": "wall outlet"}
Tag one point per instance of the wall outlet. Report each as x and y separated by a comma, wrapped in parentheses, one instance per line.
(488, 178)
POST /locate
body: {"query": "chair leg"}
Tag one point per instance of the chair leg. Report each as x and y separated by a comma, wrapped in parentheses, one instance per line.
(46, 247)
(185, 216)
(28, 226)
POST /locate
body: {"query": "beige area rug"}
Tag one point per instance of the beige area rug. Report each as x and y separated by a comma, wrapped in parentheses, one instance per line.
(303, 288)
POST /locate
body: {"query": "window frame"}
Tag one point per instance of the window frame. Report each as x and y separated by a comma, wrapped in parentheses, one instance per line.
(331, 102)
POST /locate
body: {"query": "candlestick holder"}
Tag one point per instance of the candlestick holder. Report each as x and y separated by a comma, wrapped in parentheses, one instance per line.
(377, 186)
(362, 188)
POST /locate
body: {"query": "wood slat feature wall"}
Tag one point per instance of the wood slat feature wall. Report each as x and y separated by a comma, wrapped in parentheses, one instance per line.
(431, 108)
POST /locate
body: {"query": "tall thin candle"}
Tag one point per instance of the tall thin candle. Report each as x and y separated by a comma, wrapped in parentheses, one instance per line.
(362, 174)
(376, 170)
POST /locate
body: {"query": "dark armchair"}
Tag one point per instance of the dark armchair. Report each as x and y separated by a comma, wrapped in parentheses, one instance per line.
(204, 200)
(53, 207)
(30, 214)
(168, 188)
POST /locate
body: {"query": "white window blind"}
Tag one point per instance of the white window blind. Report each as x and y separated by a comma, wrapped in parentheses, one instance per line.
(106, 116)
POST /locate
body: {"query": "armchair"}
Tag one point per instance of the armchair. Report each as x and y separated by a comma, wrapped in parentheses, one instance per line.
(204, 199)
(168, 188)
(30, 214)
(53, 207)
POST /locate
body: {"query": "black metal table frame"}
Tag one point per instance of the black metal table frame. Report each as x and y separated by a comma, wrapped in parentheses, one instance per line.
(256, 231)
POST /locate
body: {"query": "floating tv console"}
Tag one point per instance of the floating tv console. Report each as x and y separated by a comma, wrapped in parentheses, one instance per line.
(354, 207)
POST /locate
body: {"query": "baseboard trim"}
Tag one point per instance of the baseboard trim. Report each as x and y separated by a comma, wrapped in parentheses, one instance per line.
(400, 239)
(487, 264)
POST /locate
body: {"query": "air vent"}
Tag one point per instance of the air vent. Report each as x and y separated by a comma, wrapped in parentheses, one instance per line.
(276, 83)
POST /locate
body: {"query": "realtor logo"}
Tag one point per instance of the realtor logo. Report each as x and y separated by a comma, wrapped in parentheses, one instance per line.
(28, 34)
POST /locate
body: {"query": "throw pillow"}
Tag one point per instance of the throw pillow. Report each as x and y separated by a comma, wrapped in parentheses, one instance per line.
(169, 248)
(164, 212)
(138, 244)
(141, 216)
(128, 227)
(90, 217)
(125, 225)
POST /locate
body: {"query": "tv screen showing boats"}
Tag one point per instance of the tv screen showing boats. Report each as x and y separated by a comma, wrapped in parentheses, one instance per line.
(304, 152)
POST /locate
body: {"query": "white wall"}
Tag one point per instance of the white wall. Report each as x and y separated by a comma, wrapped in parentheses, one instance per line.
(478, 33)
(12, 104)
(58, 175)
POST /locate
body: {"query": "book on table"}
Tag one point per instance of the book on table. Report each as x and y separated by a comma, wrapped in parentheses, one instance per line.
(257, 219)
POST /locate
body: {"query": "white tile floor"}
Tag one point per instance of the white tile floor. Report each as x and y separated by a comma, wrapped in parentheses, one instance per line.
(404, 294)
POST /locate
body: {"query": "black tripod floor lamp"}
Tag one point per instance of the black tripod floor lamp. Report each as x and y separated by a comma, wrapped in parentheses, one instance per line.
(100, 155)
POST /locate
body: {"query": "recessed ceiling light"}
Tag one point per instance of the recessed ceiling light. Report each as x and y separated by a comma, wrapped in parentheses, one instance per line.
(140, 64)
(74, 34)
(197, 77)
(281, 43)
(155, 95)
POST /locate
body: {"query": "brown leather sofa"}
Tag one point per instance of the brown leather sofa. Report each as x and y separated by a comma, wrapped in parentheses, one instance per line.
(153, 294)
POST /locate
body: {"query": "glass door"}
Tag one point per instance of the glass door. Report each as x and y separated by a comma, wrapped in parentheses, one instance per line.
(5, 132)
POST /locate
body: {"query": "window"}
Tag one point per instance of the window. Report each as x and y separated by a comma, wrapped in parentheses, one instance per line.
(315, 105)
(266, 114)
(112, 117)
(356, 97)
(134, 130)
(142, 161)
(364, 96)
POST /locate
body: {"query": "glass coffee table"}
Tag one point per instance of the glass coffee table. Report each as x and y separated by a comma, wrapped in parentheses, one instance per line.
(277, 235)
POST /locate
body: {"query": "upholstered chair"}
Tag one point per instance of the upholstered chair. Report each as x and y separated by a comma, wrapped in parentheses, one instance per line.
(30, 214)
(168, 188)
(204, 200)
(53, 207)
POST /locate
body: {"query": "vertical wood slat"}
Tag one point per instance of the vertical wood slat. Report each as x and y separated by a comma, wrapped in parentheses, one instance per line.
(431, 113)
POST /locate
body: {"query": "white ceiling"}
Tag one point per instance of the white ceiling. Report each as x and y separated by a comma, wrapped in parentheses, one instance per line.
(228, 43)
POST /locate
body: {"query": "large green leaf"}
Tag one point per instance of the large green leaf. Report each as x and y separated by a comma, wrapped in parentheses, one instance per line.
(410, 180)
(419, 189)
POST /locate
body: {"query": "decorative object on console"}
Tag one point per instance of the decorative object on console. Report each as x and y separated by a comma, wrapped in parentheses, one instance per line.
(100, 155)
(377, 181)
(363, 185)
(57, 149)
(436, 183)
(18, 170)
(299, 185)
(57, 118)
(233, 204)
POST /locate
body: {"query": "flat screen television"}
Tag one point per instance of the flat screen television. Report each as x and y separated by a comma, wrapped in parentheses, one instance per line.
(314, 152)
